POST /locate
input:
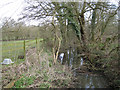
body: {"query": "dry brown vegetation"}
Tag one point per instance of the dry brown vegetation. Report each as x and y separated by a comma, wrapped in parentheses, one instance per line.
(40, 66)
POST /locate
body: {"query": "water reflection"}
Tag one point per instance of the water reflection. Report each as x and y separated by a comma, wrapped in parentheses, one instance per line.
(83, 80)
(61, 57)
(81, 62)
(90, 81)
(68, 53)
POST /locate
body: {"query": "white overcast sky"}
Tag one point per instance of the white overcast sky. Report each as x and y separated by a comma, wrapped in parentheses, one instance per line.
(13, 8)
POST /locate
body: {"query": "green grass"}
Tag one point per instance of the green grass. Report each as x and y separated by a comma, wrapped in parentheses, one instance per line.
(12, 49)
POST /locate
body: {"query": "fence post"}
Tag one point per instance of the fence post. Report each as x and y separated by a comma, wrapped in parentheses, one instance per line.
(36, 43)
(24, 49)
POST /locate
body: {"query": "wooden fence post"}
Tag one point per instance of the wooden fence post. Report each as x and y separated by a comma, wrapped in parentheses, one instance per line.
(24, 49)
(36, 44)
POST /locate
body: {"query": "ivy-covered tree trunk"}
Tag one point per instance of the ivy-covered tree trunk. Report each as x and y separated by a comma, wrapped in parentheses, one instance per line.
(119, 35)
(63, 32)
(93, 24)
(82, 28)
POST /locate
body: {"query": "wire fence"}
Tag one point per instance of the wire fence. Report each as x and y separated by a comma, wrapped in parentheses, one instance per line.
(16, 49)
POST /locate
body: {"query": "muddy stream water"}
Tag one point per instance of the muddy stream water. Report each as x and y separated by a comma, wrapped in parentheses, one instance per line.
(83, 77)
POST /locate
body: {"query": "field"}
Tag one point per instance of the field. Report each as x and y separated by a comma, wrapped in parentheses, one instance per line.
(14, 49)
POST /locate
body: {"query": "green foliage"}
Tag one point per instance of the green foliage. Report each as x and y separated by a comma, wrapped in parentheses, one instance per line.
(59, 72)
(24, 81)
(43, 63)
(46, 77)
(44, 85)
(101, 45)
(65, 83)
(50, 62)
(73, 23)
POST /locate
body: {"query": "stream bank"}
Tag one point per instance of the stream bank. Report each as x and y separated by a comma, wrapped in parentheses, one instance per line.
(39, 70)
(84, 76)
